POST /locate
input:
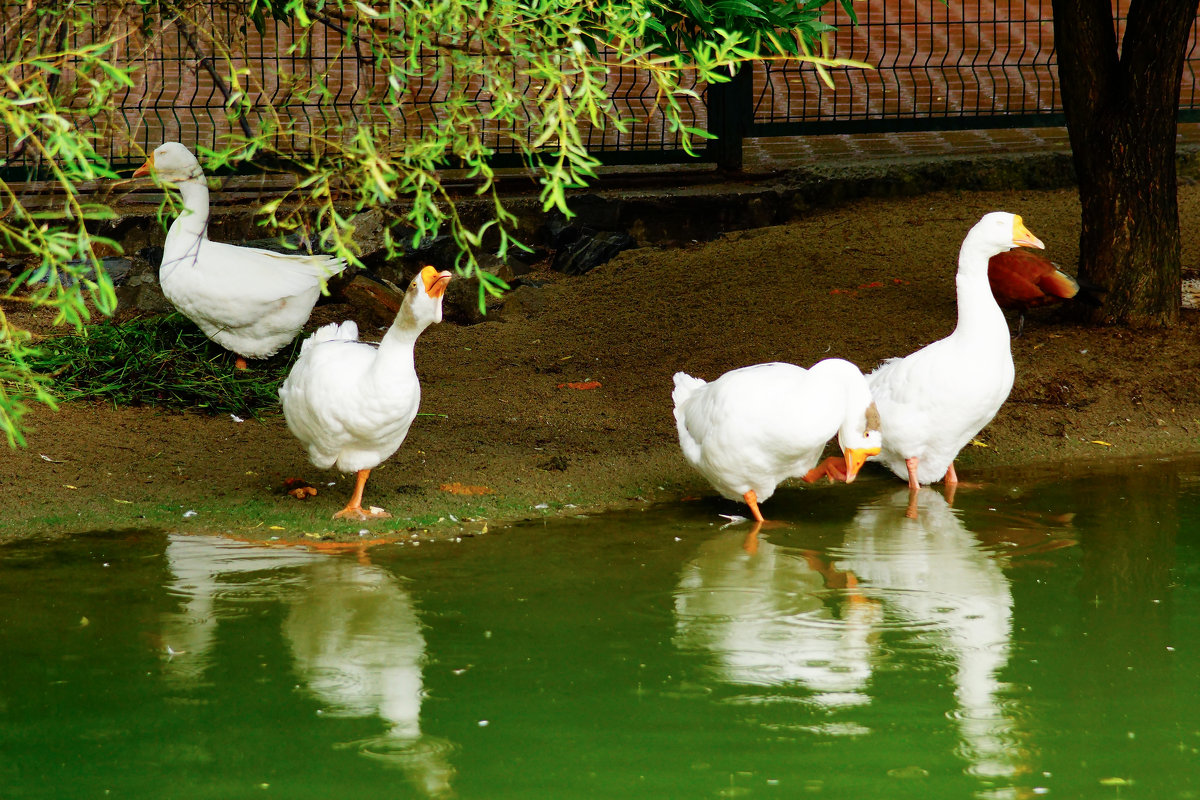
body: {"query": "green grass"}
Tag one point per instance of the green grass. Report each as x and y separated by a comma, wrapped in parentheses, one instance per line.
(160, 361)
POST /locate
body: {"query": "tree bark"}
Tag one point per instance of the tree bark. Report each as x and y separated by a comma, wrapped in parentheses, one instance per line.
(1121, 100)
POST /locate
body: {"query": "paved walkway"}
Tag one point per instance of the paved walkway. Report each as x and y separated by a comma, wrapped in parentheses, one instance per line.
(783, 153)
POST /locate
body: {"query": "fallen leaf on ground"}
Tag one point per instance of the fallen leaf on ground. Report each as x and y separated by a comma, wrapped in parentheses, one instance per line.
(977, 443)
(580, 385)
(299, 488)
(458, 488)
(1097, 441)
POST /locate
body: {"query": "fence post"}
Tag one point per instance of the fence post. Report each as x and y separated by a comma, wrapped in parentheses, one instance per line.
(730, 108)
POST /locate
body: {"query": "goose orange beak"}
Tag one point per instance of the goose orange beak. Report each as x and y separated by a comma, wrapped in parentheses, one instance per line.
(435, 282)
(1022, 237)
(144, 169)
(855, 458)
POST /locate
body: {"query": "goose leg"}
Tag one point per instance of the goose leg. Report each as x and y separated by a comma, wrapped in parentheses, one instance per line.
(750, 543)
(354, 509)
(951, 478)
(240, 363)
(752, 500)
(911, 463)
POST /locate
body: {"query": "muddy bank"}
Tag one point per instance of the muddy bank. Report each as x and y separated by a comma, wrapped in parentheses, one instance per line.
(508, 437)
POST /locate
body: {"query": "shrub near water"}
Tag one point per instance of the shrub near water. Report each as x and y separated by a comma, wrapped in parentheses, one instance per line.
(161, 361)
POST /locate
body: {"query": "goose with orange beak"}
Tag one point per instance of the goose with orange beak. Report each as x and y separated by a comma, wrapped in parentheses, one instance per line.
(754, 427)
(934, 401)
(248, 300)
(351, 403)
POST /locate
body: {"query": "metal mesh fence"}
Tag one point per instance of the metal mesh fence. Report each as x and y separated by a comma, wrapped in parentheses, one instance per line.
(303, 83)
(963, 64)
(938, 65)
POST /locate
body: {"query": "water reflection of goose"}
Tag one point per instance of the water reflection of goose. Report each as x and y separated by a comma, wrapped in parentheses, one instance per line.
(934, 575)
(764, 618)
(354, 633)
(205, 570)
(767, 617)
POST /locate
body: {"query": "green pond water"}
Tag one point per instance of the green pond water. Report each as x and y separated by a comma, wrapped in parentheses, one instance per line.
(1040, 638)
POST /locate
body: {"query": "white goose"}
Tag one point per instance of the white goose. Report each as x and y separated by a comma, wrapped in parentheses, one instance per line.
(935, 400)
(249, 301)
(351, 403)
(754, 427)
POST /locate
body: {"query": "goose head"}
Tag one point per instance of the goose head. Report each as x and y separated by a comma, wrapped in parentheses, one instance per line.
(173, 163)
(859, 438)
(422, 305)
(997, 232)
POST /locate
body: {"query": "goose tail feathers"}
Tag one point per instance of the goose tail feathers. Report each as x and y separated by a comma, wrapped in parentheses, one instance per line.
(685, 385)
(333, 332)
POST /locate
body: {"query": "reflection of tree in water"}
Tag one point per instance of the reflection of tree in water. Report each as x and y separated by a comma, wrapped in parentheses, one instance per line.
(355, 637)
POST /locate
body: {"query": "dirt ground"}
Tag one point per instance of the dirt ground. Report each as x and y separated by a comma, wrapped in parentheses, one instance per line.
(864, 281)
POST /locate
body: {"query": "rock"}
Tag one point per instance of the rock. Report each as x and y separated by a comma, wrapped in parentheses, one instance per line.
(519, 266)
(557, 231)
(380, 300)
(461, 303)
(370, 228)
(117, 268)
(140, 289)
(589, 250)
(290, 243)
(439, 252)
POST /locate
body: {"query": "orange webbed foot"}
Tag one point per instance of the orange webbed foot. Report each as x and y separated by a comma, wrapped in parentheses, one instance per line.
(360, 514)
(833, 468)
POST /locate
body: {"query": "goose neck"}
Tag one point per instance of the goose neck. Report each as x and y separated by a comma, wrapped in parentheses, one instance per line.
(193, 219)
(977, 307)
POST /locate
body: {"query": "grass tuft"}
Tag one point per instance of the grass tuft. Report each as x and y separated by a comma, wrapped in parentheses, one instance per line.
(160, 361)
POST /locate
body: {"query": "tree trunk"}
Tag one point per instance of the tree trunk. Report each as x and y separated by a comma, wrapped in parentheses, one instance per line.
(1121, 104)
